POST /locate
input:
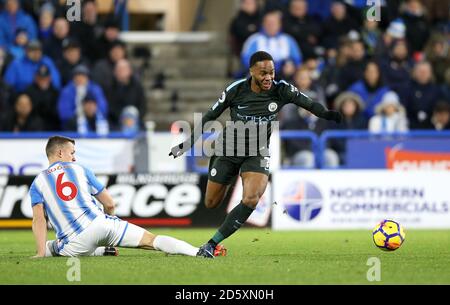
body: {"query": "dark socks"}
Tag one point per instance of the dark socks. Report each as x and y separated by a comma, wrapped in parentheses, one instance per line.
(234, 220)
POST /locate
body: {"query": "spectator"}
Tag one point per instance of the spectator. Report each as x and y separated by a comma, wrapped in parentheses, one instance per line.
(299, 152)
(396, 30)
(13, 18)
(440, 119)
(20, 73)
(353, 70)
(371, 88)
(288, 70)
(125, 91)
(417, 28)
(5, 60)
(330, 77)
(337, 25)
(72, 57)
(305, 85)
(17, 50)
(44, 98)
(445, 87)
(423, 94)
(303, 28)
(46, 17)
(370, 35)
(437, 10)
(53, 46)
(109, 37)
(60, 7)
(438, 54)
(319, 8)
(88, 31)
(397, 68)
(271, 39)
(89, 119)
(72, 95)
(103, 71)
(6, 96)
(246, 23)
(22, 117)
(390, 116)
(129, 120)
(351, 106)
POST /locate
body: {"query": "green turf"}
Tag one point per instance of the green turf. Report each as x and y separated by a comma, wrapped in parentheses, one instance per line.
(255, 256)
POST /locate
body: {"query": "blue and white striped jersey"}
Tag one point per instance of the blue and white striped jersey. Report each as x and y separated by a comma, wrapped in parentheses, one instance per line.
(66, 189)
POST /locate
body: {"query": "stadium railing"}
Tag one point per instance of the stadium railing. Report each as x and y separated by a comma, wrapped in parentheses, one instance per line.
(326, 136)
(74, 135)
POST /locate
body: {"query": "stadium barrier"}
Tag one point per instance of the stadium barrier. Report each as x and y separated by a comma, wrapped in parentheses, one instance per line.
(149, 200)
(418, 149)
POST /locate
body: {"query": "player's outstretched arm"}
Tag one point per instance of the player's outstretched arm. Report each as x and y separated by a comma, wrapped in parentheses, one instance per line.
(107, 201)
(302, 100)
(39, 229)
(216, 110)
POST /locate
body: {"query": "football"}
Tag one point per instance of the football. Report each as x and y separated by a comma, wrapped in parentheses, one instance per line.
(388, 235)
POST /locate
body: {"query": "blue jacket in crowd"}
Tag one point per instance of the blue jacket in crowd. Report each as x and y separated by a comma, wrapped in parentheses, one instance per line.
(67, 103)
(282, 47)
(20, 73)
(9, 24)
(370, 98)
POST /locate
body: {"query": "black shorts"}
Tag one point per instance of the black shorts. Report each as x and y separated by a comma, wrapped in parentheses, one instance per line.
(224, 169)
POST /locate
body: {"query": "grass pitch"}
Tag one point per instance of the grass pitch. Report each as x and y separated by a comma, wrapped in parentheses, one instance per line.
(255, 256)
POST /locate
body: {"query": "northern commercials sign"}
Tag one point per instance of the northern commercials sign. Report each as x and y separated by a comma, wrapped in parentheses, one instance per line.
(359, 199)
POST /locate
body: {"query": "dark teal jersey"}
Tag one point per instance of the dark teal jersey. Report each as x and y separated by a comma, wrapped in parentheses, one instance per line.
(252, 115)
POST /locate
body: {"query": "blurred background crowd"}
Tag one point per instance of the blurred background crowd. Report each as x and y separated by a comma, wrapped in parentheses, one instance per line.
(385, 67)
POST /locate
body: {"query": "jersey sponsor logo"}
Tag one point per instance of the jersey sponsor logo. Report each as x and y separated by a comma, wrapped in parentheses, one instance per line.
(273, 107)
(242, 107)
(257, 119)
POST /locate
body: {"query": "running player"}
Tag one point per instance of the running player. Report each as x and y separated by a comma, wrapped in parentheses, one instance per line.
(64, 192)
(255, 100)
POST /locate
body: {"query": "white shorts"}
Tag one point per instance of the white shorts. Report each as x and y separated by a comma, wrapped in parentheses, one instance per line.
(104, 230)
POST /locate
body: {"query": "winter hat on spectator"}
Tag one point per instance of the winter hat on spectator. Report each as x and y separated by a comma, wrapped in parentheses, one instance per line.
(389, 98)
(69, 43)
(47, 7)
(81, 69)
(348, 95)
(89, 98)
(397, 29)
(34, 45)
(112, 22)
(43, 71)
(20, 30)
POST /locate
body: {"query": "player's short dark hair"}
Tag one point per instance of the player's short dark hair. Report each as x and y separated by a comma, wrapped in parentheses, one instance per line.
(55, 142)
(259, 56)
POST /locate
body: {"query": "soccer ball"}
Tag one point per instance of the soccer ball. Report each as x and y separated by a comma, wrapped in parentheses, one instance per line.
(388, 235)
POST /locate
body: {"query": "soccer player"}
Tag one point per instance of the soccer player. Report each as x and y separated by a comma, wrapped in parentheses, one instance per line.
(65, 193)
(253, 101)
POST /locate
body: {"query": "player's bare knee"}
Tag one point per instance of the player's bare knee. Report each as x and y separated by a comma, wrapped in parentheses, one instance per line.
(211, 203)
(147, 240)
(251, 200)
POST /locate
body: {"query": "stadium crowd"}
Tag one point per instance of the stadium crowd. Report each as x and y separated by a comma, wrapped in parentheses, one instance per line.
(386, 73)
(387, 68)
(58, 75)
